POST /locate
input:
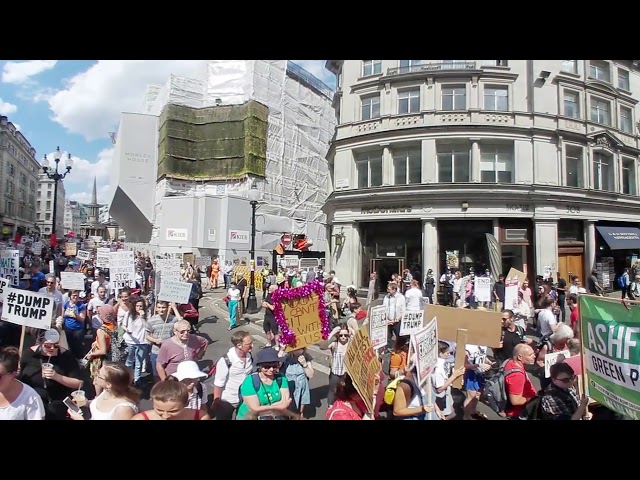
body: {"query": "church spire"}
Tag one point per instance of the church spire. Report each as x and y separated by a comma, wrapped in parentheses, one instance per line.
(94, 195)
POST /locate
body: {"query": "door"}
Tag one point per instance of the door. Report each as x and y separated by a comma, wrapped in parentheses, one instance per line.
(374, 267)
(385, 267)
(570, 264)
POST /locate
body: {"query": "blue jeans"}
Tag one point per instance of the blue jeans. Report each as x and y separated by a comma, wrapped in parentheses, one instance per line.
(153, 358)
(136, 355)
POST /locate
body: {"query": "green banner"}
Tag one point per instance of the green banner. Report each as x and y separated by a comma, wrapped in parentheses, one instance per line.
(611, 345)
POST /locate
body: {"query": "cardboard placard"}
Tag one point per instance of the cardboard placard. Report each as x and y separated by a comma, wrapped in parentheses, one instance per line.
(363, 366)
(483, 327)
(301, 314)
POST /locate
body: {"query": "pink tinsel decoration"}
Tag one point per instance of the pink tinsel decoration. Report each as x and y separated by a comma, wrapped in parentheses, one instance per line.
(284, 295)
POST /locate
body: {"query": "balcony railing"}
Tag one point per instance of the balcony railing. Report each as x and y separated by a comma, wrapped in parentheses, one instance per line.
(431, 67)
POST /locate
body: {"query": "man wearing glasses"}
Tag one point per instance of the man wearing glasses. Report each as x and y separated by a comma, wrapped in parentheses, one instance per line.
(182, 346)
(512, 335)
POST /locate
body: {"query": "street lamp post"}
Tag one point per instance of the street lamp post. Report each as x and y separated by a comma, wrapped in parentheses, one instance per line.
(252, 301)
(56, 177)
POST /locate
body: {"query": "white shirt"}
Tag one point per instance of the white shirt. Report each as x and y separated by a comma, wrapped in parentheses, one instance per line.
(439, 377)
(93, 305)
(233, 294)
(413, 299)
(395, 307)
(138, 329)
(546, 319)
(573, 289)
(231, 378)
(100, 415)
(28, 406)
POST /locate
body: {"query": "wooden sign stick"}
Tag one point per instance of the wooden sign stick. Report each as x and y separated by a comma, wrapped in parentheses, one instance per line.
(461, 353)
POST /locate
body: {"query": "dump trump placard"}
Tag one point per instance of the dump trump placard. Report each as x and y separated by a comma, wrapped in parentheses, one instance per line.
(29, 309)
(611, 345)
(411, 322)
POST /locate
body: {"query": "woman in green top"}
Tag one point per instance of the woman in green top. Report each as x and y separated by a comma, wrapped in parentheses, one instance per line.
(267, 389)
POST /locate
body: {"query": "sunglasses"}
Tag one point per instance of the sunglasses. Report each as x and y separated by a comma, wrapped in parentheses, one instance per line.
(342, 335)
(51, 345)
(567, 380)
(270, 366)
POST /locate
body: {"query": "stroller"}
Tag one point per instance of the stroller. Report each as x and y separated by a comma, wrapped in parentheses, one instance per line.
(191, 315)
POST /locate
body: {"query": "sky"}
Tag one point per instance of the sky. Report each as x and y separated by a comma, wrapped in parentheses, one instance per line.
(74, 104)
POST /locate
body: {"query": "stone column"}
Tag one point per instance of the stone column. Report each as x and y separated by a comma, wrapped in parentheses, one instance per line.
(589, 249)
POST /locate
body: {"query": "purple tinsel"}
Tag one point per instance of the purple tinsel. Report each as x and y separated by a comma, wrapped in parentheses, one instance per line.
(288, 336)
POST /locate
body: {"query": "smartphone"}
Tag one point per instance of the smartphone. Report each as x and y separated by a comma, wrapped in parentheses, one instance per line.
(72, 406)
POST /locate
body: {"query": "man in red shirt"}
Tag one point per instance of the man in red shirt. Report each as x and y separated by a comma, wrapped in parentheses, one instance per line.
(517, 384)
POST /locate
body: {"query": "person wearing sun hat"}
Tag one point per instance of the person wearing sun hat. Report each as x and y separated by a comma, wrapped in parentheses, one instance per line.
(267, 388)
(189, 374)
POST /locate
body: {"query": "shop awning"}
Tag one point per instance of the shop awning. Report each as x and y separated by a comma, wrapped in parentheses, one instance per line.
(621, 238)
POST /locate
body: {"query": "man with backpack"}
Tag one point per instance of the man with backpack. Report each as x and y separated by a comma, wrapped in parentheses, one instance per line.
(517, 384)
(230, 372)
(512, 335)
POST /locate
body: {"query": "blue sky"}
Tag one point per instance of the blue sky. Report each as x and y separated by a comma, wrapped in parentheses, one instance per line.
(74, 104)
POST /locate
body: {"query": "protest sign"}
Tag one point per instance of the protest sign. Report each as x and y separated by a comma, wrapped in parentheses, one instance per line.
(411, 321)
(482, 289)
(72, 280)
(9, 264)
(555, 357)
(301, 314)
(203, 262)
(70, 249)
(29, 309)
(483, 327)
(170, 268)
(37, 248)
(83, 255)
(611, 346)
(102, 257)
(4, 285)
(363, 366)
(425, 345)
(121, 270)
(378, 326)
(173, 291)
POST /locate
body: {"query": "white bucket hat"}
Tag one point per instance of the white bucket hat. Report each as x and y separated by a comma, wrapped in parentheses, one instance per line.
(188, 369)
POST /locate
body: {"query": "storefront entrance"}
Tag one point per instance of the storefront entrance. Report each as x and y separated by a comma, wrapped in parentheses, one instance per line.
(385, 268)
(570, 264)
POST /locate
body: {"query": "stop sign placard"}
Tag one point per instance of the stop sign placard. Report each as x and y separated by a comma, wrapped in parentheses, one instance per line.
(285, 239)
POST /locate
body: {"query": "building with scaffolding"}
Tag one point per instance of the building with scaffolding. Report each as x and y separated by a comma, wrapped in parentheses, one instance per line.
(184, 163)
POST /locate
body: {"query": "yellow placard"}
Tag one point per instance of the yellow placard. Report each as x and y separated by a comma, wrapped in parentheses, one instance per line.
(303, 319)
(363, 366)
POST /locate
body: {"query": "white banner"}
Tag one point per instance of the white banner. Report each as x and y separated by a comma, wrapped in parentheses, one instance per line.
(170, 268)
(172, 291)
(30, 309)
(378, 330)
(4, 286)
(122, 270)
(72, 280)
(482, 289)
(411, 322)
(425, 345)
(37, 248)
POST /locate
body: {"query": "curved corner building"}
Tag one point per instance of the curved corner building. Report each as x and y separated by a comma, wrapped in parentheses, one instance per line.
(431, 155)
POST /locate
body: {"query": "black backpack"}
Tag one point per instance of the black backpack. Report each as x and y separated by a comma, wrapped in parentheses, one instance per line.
(494, 394)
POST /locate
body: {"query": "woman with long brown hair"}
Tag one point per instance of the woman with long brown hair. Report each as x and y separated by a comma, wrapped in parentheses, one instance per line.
(101, 347)
(118, 400)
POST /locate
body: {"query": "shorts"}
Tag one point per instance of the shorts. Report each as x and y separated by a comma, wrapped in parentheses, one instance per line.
(473, 381)
(269, 325)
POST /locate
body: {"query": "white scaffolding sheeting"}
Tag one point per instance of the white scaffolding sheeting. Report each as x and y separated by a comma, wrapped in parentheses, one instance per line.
(301, 124)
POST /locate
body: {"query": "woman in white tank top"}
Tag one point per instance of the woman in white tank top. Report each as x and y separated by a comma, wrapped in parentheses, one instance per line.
(118, 400)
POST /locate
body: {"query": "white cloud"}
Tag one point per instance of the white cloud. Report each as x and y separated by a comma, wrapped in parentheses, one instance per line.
(19, 72)
(84, 170)
(92, 101)
(316, 68)
(85, 195)
(7, 108)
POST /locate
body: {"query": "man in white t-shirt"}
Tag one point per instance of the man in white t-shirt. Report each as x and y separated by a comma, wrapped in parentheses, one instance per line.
(413, 297)
(100, 280)
(94, 304)
(231, 370)
(546, 319)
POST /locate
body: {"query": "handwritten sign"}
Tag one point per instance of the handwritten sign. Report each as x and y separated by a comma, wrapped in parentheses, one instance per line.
(174, 291)
(121, 270)
(72, 280)
(29, 309)
(363, 366)
(551, 358)
(9, 264)
(302, 317)
(378, 326)
(425, 344)
(70, 249)
(411, 322)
